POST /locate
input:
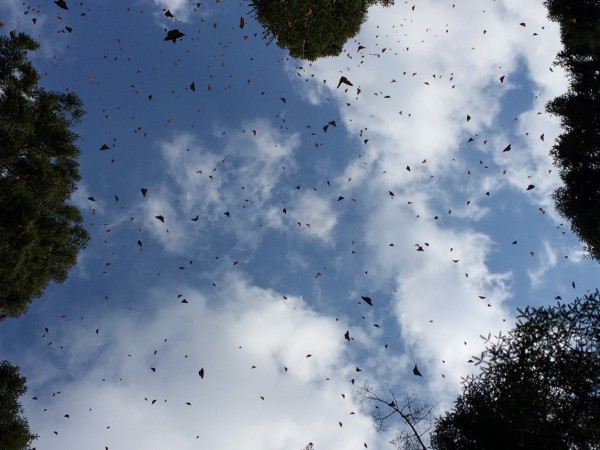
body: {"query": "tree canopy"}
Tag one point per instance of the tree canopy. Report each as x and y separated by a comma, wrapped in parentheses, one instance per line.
(14, 428)
(311, 29)
(577, 150)
(41, 232)
(539, 387)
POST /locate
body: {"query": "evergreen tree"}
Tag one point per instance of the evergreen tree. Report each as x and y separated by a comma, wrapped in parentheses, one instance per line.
(577, 150)
(311, 29)
(14, 428)
(41, 233)
(539, 387)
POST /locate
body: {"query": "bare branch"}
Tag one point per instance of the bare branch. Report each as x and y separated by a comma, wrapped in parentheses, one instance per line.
(411, 412)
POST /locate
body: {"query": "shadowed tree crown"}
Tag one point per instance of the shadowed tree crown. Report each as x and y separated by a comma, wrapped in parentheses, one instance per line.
(41, 233)
(539, 387)
(14, 428)
(311, 29)
(576, 152)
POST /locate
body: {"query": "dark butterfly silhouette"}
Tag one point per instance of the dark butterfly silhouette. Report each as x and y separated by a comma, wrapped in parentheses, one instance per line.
(173, 35)
(344, 80)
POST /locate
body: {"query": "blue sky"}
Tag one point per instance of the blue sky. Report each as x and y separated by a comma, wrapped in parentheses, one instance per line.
(265, 287)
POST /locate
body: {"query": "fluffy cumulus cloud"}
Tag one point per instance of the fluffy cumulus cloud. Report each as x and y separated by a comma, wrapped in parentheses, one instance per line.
(428, 101)
(445, 294)
(274, 374)
(224, 189)
(180, 9)
(315, 213)
(416, 81)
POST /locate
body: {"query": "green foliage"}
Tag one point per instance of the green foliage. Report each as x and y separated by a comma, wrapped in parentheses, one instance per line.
(14, 429)
(577, 150)
(41, 233)
(539, 387)
(579, 23)
(311, 29)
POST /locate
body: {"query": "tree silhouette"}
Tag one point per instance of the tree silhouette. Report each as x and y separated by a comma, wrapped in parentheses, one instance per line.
(311, 29)
(414, 415)
(577, 150)
(14, 428)
(41, 233)
(539, 386)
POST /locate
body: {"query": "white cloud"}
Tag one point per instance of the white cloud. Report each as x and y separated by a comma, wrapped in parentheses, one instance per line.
(81, 199)
(226, 332)
(14, 17)
(437, 295)
(576, 254)
(441, 64)
(241, 177)
(247, 167)
(315, 215)
(547, 260)
(173, 231)
(181, 9)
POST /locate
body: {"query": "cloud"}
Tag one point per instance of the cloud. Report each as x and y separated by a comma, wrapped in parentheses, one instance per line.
(242, 335)
(444, 295)
(39, 23)
(173, 231)
(428, 100)
(417, 112)
(181, 9)
(315, 214)
(81, 199)
(13, 17)
(547, 260)
(576, 254)
(241, 177)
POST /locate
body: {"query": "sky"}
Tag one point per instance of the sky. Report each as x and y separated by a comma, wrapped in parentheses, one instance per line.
(284, 200)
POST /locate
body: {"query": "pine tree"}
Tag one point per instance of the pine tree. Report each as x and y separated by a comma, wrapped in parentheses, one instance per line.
(577, 150)
(14, 428)
(312, 29)
(41, 233)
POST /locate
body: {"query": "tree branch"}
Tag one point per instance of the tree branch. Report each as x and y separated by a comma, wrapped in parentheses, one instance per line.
(405, 411)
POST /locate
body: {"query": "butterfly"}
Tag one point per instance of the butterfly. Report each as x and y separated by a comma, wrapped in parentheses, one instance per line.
(367, 300)
(173, 35)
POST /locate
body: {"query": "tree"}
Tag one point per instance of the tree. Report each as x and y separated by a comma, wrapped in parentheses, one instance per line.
(579, 24)
(41, 232)
(539, 387)
(14, 428)
(577, 150)
(414, 414)
(312, 29)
